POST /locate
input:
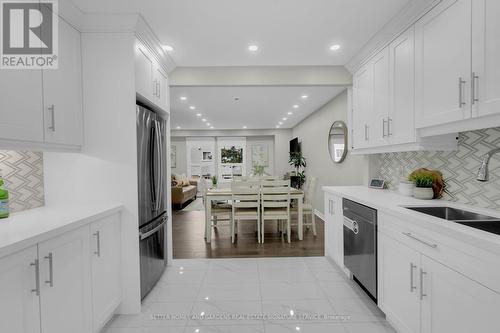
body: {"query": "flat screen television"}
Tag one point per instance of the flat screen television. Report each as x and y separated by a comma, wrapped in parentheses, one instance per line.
(295, 146)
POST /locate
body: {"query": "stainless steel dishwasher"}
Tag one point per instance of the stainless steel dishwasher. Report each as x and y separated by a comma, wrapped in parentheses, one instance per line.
(360, 244)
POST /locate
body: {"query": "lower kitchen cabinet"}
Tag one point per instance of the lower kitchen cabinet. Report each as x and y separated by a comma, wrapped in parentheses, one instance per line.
(105, 265)
(398, 283)
(419, 294)
(451, 302)
(334, 229)
(20, 300)
(65, 283)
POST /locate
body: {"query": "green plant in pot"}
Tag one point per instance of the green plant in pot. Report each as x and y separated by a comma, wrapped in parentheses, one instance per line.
(423, 186)
(258, 170)
(298, 161)
(214, 181)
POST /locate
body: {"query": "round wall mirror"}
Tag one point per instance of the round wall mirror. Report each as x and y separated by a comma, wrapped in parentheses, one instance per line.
(337, 141)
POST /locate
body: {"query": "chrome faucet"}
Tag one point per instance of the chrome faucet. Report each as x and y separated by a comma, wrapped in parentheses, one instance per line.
(482, 173)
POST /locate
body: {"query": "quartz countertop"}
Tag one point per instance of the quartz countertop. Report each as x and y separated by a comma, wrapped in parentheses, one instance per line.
(393, 203)
(27, 228)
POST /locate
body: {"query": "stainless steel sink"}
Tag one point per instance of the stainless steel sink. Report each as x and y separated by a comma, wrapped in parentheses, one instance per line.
(471, 219)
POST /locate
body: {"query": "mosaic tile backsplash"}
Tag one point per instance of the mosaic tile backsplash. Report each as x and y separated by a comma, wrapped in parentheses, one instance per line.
(459, 168)
(23, 175)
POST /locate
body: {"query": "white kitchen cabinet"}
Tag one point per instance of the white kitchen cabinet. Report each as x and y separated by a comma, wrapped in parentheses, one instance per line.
(65, 283)
(485, 87)
(145, 84)
(451, 302)
(401, 117)
(398, 283)
(443, 64)
(20, 300)
(105, 265)
(62, 91)
(21, 114)
(380, 99)
(362, 116)
(161, 96)
(334, 228)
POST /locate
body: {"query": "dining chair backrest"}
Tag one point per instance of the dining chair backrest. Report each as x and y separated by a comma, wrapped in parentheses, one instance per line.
(275, 194)
(269, 178)
(310, 190)
(245, 194)
(240, 178)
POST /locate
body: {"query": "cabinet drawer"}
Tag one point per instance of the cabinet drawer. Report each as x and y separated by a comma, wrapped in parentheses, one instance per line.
(477, 264)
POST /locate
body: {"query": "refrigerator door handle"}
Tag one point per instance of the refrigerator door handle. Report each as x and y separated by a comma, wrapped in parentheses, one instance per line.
(152, 175)
(159, 173)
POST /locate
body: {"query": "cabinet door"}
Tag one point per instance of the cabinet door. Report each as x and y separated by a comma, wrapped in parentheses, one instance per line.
(443, 64)
(19, 302)
(362, 106)
(105, 251)
(398, 284)
(380, 88)
(338, 235)
(454, 303)
(21, 110)
(144, 81)
(162, 90)
(485, 57)
(62, 90)
(65, 283)
(328, 212)
(401, 121)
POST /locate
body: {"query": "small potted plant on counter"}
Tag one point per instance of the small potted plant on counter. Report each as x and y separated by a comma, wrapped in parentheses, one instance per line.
(214, 181)
(423, 186)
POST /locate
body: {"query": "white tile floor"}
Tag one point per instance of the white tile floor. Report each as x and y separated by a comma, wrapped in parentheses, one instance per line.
(232, 295)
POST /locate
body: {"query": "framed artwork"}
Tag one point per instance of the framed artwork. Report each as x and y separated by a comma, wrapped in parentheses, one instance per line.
(173, 156)
(260, 155)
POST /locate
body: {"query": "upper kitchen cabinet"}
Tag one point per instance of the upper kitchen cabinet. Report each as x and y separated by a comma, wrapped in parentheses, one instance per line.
(362, 110)
(485, 84)
(150, 78)
(443, 60)
(62, 91)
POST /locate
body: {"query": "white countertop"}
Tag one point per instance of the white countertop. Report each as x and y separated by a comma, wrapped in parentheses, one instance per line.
(24, 229)
(392, 202)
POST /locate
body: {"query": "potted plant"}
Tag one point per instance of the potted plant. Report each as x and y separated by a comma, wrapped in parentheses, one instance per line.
(423, 186)
(258, 170)
(214, 181)
(298, 161)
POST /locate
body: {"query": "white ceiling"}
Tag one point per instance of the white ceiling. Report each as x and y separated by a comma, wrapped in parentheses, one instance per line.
(257, 107)
(288, 32)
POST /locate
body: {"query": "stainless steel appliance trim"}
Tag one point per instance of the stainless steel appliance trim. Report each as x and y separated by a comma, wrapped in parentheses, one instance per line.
(409, 234)
(50, 258)
(351, 225)
(145, 235)
(36, 264)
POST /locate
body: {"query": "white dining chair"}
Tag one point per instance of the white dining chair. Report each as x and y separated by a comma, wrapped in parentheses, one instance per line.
(245, 205)
(275, 202)
(220, 211)
(307, 207)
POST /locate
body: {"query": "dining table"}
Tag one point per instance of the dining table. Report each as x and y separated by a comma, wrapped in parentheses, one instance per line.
(225, 194)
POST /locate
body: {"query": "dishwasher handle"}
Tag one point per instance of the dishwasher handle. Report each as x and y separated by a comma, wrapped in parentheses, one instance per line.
(351, 225)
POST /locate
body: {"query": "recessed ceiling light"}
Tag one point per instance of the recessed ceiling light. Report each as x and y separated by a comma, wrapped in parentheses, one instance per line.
(253, 48)
(203, 120)
(335, 47)
(304, 96)
(208, 124)
(183, 98)
(192, 107)
(211, 127)
(281, 123)
(198, 115)
(290, 113)
(168, 48)
(295, 106)
(244, 127)
(285, 118)
(277, 126)
(178, 127)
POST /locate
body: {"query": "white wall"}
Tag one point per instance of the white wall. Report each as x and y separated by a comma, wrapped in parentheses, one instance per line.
(180, 146)
(105, 172)
(267, 141)
(313, 134)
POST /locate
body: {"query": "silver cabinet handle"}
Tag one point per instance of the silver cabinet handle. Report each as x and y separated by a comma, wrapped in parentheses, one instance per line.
(383, 127)
(52, 110)
(474, 87)
(97, 235)
(36, 264)
(366, 132)
(412, 268)
(159, 89)
(50, 281)
(461, 102)
(389, 122)
(409, 234)
(422, 294)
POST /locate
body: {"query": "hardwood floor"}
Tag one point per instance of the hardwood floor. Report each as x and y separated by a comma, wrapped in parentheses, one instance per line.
(188, 240)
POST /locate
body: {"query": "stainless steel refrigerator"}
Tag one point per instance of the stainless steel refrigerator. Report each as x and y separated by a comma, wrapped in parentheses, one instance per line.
(153, 218)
